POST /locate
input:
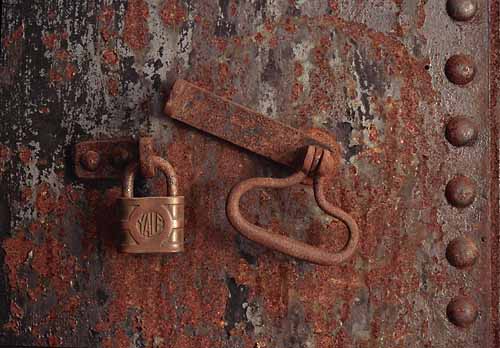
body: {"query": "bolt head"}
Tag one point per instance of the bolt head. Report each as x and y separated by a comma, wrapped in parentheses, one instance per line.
(461, 10)
(460, 191)
(120, 157)
(462, 311)
(462, 252)
(461, 131)
(460, 69)
(90, 160)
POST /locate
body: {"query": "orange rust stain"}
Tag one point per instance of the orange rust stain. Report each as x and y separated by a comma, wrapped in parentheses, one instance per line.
(223, 73)
(16, 314)
(5, 155)
(273, 42)
(237, 41)
(16, 253)
(220, 44)
(298, 69)
(112, 85)
(62, 55)
(107, 14)
(136, 31)
(118, 338)
(14, 37)
(51, 14)
(421, 15)
(70, 72)
(234, 9)
(269, 25)
(52, 263)
(106, 18)
(24, 155)
(110, 57)
(297, 90)
(106, 34)
(173, 13)
(26, 194)
(290, 27)
(67, 73)
(333, 4)
(16, 311)
(55, 76)
(50, 40)
(259, 37)
(45, 201)
(53, 341)
(373, 134)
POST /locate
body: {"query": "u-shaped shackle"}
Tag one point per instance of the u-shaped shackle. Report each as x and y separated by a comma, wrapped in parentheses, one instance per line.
(158, 162)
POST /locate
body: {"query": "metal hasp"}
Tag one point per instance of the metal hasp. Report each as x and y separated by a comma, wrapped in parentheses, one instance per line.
(246, 128)
(107, 158)
(148, 224)
(104, 159)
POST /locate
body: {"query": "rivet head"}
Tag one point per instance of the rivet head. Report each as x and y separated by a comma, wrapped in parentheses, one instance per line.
(462, 252)
(461, 131)
(90, 160)
(460, 69)
(462, 311)
(461, 10)
(460, 191)
(120, 157)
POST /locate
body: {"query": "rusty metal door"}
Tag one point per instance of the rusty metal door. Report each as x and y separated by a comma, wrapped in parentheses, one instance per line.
(409, 90)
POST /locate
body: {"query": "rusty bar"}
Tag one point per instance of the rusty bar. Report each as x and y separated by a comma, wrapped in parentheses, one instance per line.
(239, 125)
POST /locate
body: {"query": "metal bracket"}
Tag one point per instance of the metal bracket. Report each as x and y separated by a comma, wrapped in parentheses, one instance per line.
(107, 158)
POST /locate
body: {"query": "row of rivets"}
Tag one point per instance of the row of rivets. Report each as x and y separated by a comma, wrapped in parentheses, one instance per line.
(460, 191)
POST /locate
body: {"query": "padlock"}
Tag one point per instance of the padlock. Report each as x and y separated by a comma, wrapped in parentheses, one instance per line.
(151, 224)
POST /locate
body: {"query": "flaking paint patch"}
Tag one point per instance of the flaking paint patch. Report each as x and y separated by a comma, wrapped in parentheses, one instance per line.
(302, 52)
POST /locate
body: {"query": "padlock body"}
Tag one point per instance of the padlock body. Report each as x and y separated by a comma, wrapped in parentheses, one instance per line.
(152, 224)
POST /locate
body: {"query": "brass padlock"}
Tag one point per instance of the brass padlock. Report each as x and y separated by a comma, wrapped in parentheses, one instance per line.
(152, 224)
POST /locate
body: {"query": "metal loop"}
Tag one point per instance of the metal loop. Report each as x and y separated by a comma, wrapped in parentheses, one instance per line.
(285, 244)
(157, 162)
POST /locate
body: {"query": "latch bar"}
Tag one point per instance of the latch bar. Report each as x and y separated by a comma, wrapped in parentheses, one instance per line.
(239, 125)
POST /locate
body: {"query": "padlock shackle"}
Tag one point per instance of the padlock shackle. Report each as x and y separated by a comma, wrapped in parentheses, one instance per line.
(157, 162)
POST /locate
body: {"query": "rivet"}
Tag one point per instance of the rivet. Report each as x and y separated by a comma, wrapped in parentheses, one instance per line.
(462, 252)
(460, 69)
(460, 131)
(90, 160)
(120, 157)
(461, 10)
(462, 311)
(460, 191)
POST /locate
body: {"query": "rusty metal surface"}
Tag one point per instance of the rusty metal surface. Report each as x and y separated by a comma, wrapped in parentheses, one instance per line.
(370, 73)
